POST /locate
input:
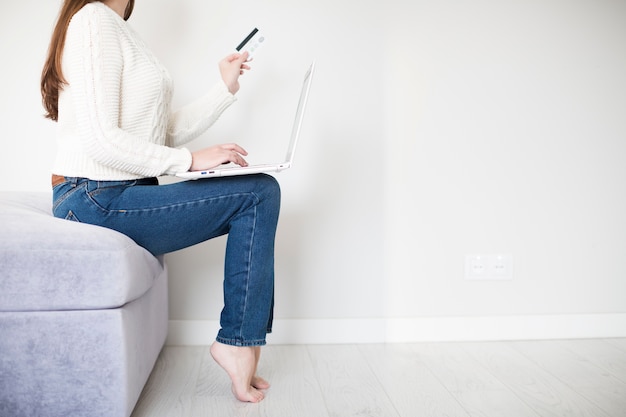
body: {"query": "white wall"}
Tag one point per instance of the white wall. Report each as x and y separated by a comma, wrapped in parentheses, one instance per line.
(452, 128)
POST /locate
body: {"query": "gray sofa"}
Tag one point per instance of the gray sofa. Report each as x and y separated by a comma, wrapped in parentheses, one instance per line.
(83, 314)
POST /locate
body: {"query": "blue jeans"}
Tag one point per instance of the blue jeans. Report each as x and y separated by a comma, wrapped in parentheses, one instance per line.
(166, 218)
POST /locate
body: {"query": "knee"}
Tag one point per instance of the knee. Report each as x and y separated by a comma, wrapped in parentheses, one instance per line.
(269, 188)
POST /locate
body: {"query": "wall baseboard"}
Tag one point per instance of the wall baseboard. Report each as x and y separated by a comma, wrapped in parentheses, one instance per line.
(411, 330)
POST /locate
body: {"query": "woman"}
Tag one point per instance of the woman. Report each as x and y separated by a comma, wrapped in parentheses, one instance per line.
(116, 133)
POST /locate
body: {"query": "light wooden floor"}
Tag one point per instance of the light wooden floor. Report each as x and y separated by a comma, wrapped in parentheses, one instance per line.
(568, 378)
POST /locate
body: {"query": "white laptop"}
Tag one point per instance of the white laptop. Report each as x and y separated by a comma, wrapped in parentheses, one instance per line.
(229, 170)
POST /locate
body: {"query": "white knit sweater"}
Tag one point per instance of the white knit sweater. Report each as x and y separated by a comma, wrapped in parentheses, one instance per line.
(115, 121)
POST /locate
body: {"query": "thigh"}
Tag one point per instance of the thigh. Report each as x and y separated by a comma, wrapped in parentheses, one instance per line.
(166, 218)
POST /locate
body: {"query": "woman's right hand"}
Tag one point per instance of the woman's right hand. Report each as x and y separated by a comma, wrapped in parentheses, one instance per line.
(231, 68)
(213, 156)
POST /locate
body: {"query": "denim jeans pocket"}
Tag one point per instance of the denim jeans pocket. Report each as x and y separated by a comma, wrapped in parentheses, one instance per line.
(61, 193)
(102, 193)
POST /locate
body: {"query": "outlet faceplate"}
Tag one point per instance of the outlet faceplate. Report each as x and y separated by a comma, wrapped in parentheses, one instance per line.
(497, 267)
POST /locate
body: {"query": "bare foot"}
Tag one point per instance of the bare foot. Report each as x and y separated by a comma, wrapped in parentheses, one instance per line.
(239, 363)
(256, 381)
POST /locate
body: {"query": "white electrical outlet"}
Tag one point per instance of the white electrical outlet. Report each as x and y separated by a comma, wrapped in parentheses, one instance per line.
(489, 267)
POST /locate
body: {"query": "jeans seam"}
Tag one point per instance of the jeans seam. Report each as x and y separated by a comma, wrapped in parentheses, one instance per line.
(249, 262)
(171, 206)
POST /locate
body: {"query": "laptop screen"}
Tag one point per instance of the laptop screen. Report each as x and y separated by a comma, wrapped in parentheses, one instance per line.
(297, 124)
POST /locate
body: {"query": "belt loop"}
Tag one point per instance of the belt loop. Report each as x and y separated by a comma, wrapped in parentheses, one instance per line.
(72, 180)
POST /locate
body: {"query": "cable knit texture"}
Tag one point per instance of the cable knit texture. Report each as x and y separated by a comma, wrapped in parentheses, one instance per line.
(115, 121)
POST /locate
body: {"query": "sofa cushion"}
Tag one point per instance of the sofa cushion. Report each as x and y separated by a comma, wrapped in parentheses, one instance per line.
(54, 264)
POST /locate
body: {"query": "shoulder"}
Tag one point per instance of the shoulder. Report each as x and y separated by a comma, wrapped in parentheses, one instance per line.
(95, 14)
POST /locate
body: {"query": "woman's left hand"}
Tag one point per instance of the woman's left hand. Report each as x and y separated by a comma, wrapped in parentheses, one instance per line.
(231, 68)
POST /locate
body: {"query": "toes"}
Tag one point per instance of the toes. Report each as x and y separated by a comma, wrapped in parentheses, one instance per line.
(257, 395)
(259, 383)
(251, 395)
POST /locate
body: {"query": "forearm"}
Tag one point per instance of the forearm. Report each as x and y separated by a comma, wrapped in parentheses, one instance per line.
(194, 119)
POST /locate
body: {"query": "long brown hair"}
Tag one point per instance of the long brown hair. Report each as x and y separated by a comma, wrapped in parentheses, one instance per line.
(52, 80)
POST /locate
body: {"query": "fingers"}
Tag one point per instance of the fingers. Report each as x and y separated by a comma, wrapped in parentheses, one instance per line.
(213, 156)
(231, 152)
(234, 154)
(244, 57)
(235, 147)
(236, 56)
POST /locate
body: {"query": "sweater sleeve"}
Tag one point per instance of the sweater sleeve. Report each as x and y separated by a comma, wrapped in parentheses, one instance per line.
(94, 72)
(194, 119)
